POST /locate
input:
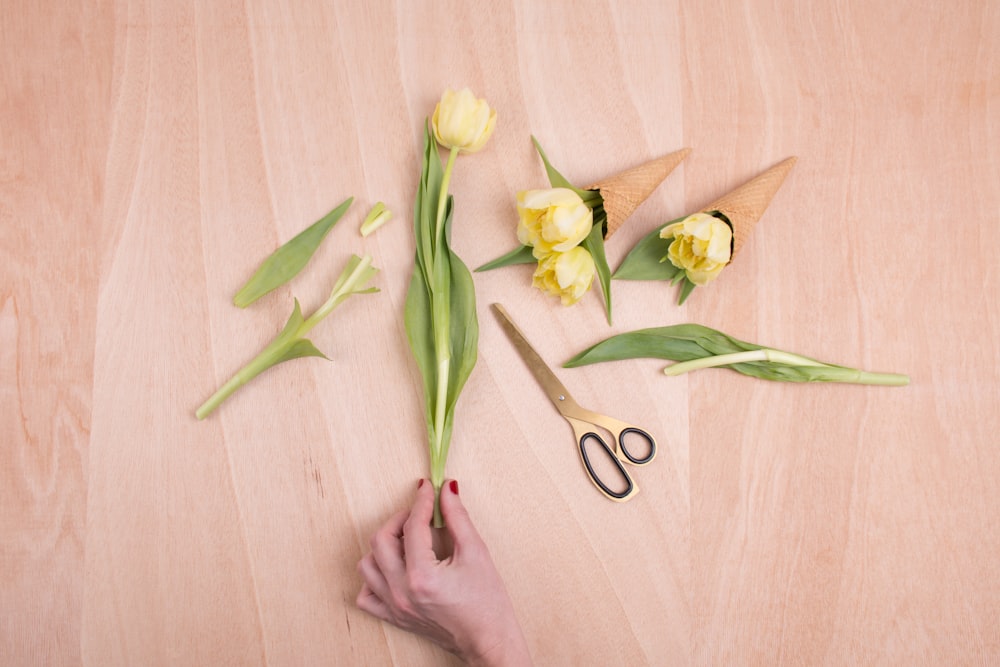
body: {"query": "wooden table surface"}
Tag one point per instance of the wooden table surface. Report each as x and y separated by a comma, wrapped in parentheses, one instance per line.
(152, 153)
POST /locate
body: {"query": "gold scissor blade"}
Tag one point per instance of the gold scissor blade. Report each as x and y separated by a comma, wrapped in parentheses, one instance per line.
(546, 378)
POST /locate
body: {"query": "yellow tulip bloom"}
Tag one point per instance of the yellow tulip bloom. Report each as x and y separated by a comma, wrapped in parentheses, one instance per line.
(567, 275)
(461, 121)
(554, 220)
(702, 246)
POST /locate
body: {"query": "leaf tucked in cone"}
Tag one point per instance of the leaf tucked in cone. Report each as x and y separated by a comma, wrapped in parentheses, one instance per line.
(624, 192)
(746, 204)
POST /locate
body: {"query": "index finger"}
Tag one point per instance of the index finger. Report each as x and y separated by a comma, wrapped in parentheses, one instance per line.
(417, 542)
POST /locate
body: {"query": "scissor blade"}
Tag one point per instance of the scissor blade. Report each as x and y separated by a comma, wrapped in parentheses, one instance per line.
(546, 378)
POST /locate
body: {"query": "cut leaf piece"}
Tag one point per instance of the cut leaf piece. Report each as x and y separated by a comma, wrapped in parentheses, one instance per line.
(286, 262)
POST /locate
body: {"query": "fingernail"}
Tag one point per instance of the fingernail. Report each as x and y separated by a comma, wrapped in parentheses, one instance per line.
(420, 483)
(453, 485)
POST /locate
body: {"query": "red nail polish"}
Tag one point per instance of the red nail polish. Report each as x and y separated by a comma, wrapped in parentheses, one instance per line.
(453, 485)
(420, 483)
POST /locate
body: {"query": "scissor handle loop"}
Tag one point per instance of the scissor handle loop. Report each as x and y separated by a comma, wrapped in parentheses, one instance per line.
(642, 434)
(630, 489)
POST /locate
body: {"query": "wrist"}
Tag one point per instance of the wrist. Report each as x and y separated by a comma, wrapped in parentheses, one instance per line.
(510, 649)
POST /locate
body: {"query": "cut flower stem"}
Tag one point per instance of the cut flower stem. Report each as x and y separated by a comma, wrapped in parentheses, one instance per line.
(292, 343)
(832, 373)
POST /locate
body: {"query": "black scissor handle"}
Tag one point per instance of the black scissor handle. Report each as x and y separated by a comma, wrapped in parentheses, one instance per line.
(614, 495)
(642, 435)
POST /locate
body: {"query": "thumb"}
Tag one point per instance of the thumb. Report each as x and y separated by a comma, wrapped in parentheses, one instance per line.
(417, 541)
(456, 517)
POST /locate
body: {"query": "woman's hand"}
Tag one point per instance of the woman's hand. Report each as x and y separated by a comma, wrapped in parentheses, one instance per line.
(459, 602)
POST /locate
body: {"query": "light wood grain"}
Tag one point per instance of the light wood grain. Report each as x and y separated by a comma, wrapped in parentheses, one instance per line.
(152, 153)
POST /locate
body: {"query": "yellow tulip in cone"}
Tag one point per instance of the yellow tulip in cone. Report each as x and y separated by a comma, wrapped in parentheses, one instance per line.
(548, 221)
(693, 250)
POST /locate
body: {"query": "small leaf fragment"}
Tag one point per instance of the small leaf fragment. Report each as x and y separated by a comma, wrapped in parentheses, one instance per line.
(378, 216)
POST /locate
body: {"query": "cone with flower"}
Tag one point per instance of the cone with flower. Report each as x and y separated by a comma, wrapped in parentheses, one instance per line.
(563, 228)
(693, 250)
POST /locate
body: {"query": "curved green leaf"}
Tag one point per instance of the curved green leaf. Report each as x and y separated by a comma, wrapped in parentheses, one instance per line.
(594, 243)
(686, 342)
(520, 255)
(644, 261)
(286, 262)
(590, 197)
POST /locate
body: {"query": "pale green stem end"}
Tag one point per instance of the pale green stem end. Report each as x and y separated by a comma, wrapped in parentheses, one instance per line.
(777, 356)
(378, 216)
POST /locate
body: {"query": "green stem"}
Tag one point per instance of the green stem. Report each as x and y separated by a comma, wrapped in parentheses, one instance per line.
(437, 480)
(830, 373)
(443, 198)
(351, 281)
(714, 361)
(441, 313)
(344, 287)
(260, 363)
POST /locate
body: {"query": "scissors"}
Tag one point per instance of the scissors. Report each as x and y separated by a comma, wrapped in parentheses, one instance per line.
(584, 421)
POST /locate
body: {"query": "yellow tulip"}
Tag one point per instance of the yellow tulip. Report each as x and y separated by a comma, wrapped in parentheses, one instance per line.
(702, 246)
(567, 275)
(461, 121)
(554, 220)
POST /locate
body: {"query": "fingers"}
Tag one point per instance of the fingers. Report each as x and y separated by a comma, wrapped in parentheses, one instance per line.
(387, 547)
(417, 529)
(368, 601)
(456, 518)
(373, 578)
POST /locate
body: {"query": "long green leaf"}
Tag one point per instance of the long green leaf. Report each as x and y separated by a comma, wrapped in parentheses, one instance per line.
(686, 342)
(286, 262)
(591, 197)
(464, 329)
(520, 255)
(416, 317)
(679, 342)
(594, 243)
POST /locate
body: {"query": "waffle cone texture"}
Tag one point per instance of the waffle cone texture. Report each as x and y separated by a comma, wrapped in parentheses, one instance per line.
(624, 192)
(745, 205)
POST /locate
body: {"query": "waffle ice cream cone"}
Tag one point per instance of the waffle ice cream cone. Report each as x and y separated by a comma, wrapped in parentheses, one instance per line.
(624, 192)
(746, 204)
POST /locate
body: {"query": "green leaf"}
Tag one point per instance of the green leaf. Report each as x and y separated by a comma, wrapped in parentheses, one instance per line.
(300, 348)
(686, 288)
(688, 342)
(464, 329)
(519, 255)
(590, 197)
(440, 311)
(286, 262)
(679, 342)
(594, 243)
(417, 319)
(643, 262)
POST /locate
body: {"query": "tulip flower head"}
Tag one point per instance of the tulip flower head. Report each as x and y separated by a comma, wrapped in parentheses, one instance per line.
(554, 220)
(567, 275)
(462, 122)
(701, 246)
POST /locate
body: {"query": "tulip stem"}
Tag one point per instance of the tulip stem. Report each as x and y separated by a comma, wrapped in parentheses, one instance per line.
(775, 356)
(829, 373)
(443, 199)
(441, 314)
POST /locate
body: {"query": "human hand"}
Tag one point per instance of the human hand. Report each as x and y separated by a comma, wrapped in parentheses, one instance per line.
(460, 602)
